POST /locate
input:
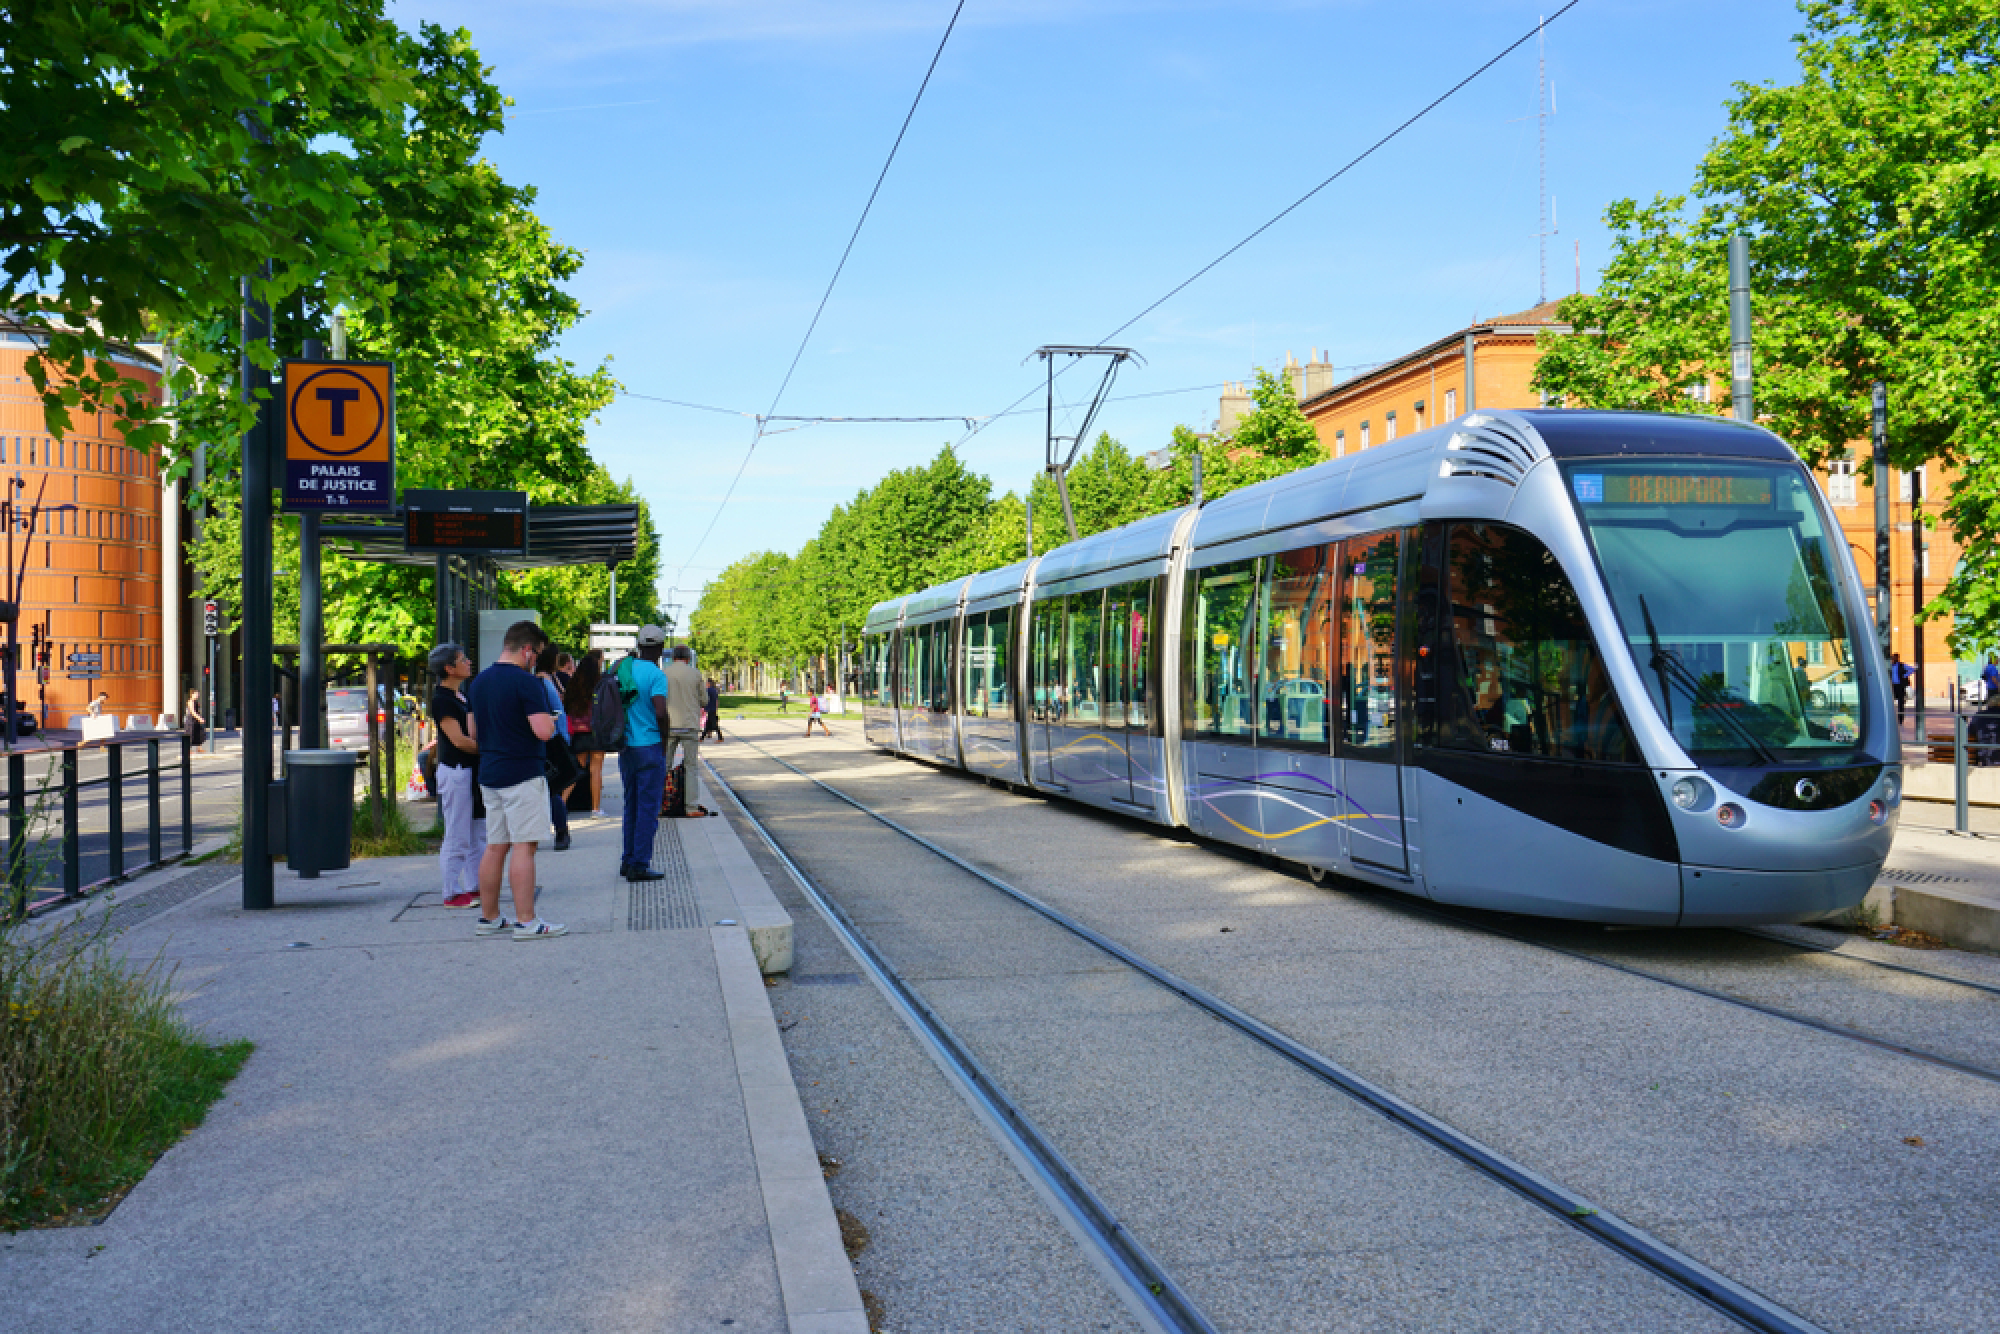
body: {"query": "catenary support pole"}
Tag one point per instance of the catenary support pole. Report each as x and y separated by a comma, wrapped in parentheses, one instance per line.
(1884, 609)
(1742, 404)
(1916, 476)
(254, 699)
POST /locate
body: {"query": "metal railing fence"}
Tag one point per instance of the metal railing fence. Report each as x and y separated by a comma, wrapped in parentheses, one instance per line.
(28, 817)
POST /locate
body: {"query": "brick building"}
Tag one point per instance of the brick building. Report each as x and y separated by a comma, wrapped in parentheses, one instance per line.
(93, 569)
(1491, 364)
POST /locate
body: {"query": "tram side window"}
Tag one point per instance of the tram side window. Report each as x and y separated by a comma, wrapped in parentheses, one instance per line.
(1117, 653)
(936, 657)
(1523, 676)
(1298, 645)
(1084, 677)
(1045, 661)
(1367, 629)
(972, 694)
(913, 668)
(1139, 649)
(1221, 625)
(1000, 651)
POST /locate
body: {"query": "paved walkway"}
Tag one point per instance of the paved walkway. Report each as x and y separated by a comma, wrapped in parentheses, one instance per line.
(437, 1132)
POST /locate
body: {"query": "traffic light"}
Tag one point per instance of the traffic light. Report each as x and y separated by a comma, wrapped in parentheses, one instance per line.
(211, 618)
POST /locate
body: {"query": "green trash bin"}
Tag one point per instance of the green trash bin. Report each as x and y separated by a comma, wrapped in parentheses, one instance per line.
(319, 810)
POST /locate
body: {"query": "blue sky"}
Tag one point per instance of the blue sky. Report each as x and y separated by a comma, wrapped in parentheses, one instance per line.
(1070, 164)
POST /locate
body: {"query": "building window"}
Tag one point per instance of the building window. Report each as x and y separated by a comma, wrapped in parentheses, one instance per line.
(1420, 414)
(1840, 487)
(1364, 435)
(1905, 484)
(1450, 404)
(1698, 391)
(1389, 427)
(1339, 443)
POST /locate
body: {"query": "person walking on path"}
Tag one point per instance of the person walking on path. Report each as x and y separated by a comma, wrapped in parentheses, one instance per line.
(685, 692)
(784, 698)
(459, 806)
(1989, 676)
(1900, 676)
(191, 719)
(814, 715)
(714, 716)
(545, 672)
(642, 763)
(576, 703)
(512, 721)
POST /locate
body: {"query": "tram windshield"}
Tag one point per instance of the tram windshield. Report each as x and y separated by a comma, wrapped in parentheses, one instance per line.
(1727, 592)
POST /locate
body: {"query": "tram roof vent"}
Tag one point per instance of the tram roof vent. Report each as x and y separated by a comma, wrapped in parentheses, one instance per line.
(1493, 448)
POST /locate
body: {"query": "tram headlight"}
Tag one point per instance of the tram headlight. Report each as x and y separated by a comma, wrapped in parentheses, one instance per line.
(1892, 788)
(1878, 811)
(1729, 815)
(1687, 794)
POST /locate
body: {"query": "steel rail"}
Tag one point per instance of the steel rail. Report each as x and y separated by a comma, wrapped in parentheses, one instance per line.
(1750, 1309)
(1837, 953)
(1147, 1288)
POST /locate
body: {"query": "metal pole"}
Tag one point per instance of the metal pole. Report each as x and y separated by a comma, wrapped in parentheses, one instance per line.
(1471, 397)
(1962, 823)
(17, 834)
(614, 597)
(312, 618)
(1880, 483)
(114, 804)
(187, 795)
(155, 852)
(1195, 499)
(1917, 589)
(440, 582)
(1031, 527)
(1739, 329)
(72, 880)
(254, 699)
(374, 749)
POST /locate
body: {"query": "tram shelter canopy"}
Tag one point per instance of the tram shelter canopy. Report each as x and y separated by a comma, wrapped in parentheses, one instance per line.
(557, 535)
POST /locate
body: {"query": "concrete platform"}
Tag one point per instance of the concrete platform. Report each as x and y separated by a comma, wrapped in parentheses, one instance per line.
(1942, 884)
(594, 1133)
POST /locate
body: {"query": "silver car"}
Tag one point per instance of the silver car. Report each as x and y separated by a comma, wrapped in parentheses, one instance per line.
(347, 718)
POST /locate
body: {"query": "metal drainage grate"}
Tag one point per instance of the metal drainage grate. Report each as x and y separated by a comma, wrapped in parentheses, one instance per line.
(669, 904)
(1922, 877)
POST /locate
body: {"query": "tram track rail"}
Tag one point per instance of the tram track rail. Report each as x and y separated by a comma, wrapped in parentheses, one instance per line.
(1682, 1272)
(1931, 975)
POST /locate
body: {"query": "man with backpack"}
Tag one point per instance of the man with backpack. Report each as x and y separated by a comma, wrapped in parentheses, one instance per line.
(630, 713)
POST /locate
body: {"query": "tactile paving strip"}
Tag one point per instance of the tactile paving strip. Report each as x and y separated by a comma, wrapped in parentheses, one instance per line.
(669, 904)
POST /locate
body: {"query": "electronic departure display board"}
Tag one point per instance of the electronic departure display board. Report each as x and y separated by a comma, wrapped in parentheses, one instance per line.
(489, 522)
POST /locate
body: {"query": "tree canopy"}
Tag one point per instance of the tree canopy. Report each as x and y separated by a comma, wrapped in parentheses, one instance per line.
(1870, 192)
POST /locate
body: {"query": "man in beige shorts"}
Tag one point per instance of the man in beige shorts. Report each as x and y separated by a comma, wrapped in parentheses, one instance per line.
(512, 718)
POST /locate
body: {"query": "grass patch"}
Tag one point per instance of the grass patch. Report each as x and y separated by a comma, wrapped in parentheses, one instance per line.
(99, 1074)
(766, 706)
(398, 838)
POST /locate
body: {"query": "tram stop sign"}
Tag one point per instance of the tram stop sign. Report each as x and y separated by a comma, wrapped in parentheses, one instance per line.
(340, 436)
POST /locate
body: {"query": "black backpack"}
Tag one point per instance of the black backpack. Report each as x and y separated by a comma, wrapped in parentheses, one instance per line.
(607, 710)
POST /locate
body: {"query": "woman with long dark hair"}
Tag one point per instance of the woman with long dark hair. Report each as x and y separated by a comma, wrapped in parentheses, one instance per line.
(576, 703)
(545, 669)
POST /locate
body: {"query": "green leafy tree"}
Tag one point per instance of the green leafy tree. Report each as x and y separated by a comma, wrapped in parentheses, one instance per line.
(159, 153)
(1870, 191)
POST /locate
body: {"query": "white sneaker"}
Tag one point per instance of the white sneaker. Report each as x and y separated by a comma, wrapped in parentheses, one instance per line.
(493, 926)
(539, 930)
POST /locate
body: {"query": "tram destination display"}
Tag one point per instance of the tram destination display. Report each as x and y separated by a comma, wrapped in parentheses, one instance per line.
(1636, 488)
(490, 522)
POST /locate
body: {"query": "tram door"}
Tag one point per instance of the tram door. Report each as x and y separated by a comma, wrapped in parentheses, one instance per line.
(1369, 778)
(1046, 704)
(1127, 719)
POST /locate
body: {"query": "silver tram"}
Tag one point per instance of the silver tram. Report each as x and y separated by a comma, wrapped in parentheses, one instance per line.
(1614, 667)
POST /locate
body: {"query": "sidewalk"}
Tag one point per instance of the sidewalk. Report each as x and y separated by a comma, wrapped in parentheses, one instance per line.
(438, 1132)
(1940, 883)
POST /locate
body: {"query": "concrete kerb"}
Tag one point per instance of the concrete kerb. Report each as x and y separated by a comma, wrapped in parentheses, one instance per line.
(769, 926)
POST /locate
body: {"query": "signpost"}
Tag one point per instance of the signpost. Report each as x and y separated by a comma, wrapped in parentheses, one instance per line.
(617, 641)
(85, 666)
(456, 522)
(340, 436)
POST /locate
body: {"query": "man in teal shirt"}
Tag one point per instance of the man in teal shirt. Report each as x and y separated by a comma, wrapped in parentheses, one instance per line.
(642, 764)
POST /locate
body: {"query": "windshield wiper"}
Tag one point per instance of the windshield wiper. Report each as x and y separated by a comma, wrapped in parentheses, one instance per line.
(1668, 664)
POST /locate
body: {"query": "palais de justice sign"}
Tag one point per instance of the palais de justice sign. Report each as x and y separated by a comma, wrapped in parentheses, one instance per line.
(340, 436)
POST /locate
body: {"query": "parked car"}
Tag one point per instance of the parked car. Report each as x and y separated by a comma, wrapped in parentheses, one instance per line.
(347, 718)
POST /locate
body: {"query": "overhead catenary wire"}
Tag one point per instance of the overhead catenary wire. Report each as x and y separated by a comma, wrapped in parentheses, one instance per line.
(1541, 25)
(826, 296)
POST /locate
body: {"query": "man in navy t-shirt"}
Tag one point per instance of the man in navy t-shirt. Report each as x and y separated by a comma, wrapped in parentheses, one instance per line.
(513, 721)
